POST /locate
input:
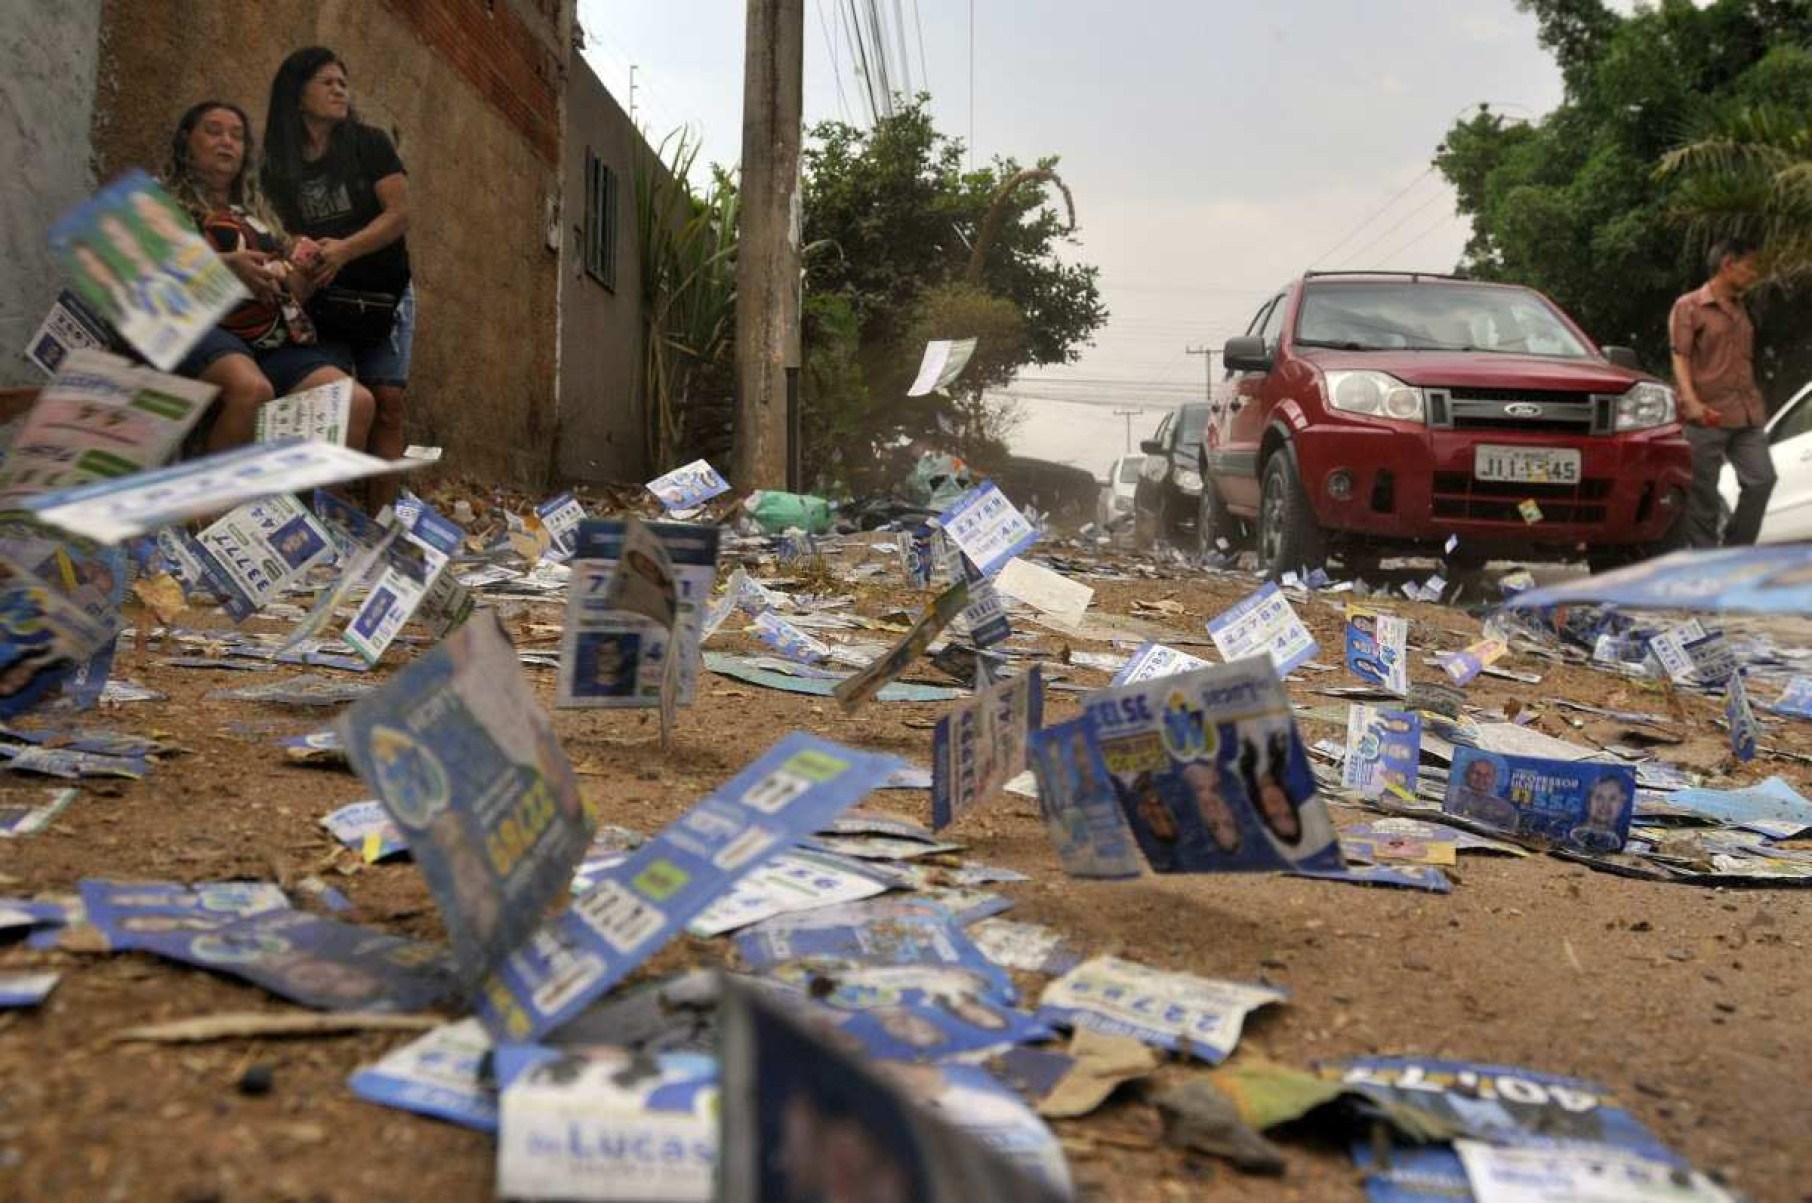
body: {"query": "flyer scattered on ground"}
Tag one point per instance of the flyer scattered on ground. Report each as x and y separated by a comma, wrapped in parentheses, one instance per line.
(688, 486)
(320, 414)
(1581, 805)
(988, 528)
(981, 744)
(1264, 624)
(1377, 648)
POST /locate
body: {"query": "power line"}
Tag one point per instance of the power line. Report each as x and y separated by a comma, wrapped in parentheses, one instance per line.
(830, 47)
(899, 26)
(918, 24)
(1373, 216)
(1451, 217)
(1397, 225)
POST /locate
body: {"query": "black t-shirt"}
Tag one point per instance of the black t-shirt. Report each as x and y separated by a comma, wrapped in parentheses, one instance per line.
(336, 197)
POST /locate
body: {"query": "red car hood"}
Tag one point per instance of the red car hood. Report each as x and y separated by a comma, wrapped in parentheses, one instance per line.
(1481, 369)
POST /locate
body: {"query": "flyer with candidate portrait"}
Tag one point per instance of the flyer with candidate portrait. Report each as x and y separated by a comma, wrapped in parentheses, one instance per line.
(1383, 751)
(464, 760)
(616, 657)
(688, 486)
(45, 636)
(805, 1119)
(135, 258)
(981, 744)
(1076, 797)
(1211, 773)
(252, 554)
(415, 568)
(560, 517)
(1264, 624)
(1377, 648)
(1581, 805)
(636, 907)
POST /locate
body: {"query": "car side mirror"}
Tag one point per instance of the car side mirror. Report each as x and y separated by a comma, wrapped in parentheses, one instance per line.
(1246, 353)
(1151, 447)
(1624, 357)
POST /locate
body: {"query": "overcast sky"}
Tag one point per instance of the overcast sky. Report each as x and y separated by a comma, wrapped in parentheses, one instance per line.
(1215, 150)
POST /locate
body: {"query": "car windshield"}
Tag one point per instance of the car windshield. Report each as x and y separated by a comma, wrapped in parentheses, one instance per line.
(1406, 316)
(1195, 423)
(1129, 471)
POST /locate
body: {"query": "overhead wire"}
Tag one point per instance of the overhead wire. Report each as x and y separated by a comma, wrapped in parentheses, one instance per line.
(1431, 230)
(1372, 216)
(836, 66)
(899, 26)
(1392, 229)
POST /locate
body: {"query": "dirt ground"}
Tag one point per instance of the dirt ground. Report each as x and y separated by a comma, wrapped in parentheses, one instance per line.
(1692, 1005)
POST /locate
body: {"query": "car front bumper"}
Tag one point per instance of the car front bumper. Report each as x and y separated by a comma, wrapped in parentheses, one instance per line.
(1415, 484)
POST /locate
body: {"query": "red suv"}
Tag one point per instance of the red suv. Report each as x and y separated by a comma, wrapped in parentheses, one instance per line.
(1365, 413)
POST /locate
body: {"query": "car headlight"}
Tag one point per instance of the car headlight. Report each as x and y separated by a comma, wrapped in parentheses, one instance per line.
(1646, 405)
(1189, 480)
(1376, 395)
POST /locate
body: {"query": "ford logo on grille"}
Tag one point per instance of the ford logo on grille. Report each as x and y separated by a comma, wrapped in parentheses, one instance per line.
(1523, 409)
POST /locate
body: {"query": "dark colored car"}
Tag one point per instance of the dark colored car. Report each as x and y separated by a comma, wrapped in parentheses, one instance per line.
(1168, 495)
(1363, 414)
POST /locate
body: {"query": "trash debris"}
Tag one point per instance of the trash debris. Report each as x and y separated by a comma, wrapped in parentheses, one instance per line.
(1178, 1012)
(1201, 1119)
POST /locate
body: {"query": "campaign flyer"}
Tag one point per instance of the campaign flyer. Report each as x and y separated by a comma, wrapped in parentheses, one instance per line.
(1211, 772)
(793, 881)
(135, 258)
(908, 1012)
(1377, 648)
(69, 326)
(560, 517)
(1579, 1174)
(613, 657)
(1507, 1106)
(1582, 805)
(605, 1124)
(1795, 699)
(1026, 946)
(1464, 666)
(252, 554)
(26, 989)
(1077, 798)
(944, 361)
(1194, 1016)
(113, 511)
(1744, 730)
(988, 528)
(636, 907)
(1264, 624)
(1691, 655)
(367, 829)
(858, 688)
(321, 414)
(25, 818)
(688, 486)
(887, 931)
(802, 1118)
(1154, 660)
(45, 636)
(99, 419)
(1383, 751)
(981, 744)
(467, 764)
(413, 569)
(438, 1074)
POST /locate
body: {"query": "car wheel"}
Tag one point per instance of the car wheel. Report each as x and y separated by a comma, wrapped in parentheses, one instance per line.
(1215, 525)
(1289, 536)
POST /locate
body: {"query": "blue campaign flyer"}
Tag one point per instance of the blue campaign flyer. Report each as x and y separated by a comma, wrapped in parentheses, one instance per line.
(1264, 624)
(1211, 773)
(1502, 1104)
(1377, 648)
(1795, 699)
(124, 912)
(560, 516)
(467, 764)
(1383, 751)
(981, 744)
(688, 486)
(313, 961)
(1774, 579)
(441, 1074)
(1581, 805)
(635, 908)
(883, 931)
(611, 658)
(1076, 797)
(1197, 1016)
(909, 1012)
(1744, 730)
(987, 527)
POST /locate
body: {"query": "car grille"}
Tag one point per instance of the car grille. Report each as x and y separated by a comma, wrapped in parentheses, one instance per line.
(1457, 495)
(1497, 410)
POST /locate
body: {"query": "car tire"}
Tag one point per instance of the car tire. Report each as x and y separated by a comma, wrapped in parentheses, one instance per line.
(1290, 538)
(1213, 523)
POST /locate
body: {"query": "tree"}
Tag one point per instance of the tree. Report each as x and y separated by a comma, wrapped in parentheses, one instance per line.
(895, 218)
(1574, 205)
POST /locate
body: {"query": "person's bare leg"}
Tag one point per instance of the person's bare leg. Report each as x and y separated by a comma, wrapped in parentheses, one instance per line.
(243, 390)
(386, 441)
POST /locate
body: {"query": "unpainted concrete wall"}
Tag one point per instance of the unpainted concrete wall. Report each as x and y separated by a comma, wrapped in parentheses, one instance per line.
(470, 91)
(48, 50)
(600, 429)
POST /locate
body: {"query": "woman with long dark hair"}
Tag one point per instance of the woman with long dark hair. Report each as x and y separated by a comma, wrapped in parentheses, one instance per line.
(341, 182)
(265, 347)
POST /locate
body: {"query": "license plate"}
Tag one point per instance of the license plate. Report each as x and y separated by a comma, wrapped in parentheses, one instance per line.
(1526, 465)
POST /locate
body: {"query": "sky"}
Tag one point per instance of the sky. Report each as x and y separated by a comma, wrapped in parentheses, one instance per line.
(1215, 150)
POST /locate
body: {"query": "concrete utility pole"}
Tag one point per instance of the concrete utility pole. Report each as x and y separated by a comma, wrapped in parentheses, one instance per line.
(767, 256)
(1129, 415)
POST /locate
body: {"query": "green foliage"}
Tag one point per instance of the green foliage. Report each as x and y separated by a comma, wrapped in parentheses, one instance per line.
(687, 248)
(1574, 205)
(833, 394)
(897, 215)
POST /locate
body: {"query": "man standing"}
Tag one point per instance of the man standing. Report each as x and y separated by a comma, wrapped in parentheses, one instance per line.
(1714, 371)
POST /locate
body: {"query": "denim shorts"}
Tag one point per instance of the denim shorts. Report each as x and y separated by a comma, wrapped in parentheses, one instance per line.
(285, 367)
(382, 363)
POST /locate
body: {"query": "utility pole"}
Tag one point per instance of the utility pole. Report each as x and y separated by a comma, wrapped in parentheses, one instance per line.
(767, 256)
(1208, 354)
(1129, 415)
(632, 94)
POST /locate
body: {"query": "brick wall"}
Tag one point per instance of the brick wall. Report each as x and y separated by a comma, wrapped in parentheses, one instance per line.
(515, 66)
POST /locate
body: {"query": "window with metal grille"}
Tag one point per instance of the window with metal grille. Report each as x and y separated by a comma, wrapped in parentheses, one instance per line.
(600, 221)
